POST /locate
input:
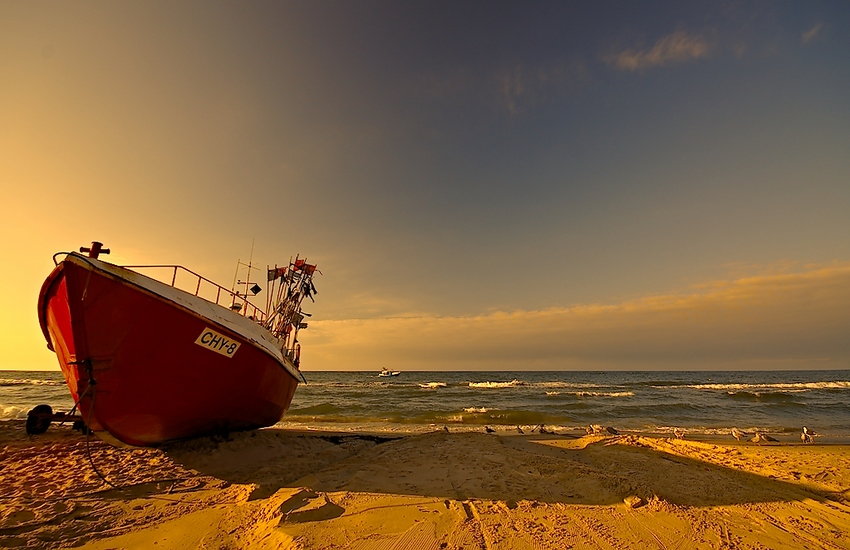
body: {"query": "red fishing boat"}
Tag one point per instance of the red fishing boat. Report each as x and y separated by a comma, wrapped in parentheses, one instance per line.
(150, 360)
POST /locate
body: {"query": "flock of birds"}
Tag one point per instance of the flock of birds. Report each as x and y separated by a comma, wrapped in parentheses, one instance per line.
(757, 437)
(807, 436)
(593, 429)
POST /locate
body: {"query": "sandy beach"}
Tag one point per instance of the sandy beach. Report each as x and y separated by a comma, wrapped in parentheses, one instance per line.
(276, 488)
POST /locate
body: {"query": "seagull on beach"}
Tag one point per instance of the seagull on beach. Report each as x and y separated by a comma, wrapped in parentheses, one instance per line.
(759, 437)
(679, 433)
(446, 429)
(519, 430)
(489, 430)
(738, 434)
(808, 435)
(542, 430)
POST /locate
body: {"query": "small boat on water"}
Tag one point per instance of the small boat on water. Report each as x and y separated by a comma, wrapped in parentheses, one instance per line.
(150, 361)
(386, 372)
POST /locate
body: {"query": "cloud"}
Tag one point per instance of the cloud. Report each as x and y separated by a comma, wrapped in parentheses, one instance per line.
(521, 88)
(678, 47)
(812, 33)
(776, 321)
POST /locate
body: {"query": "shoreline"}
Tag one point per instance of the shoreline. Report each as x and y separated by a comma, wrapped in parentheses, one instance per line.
(279, 488)
(717, 435)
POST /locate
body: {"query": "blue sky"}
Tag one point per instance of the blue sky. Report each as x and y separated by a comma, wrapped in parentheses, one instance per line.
(442, 160)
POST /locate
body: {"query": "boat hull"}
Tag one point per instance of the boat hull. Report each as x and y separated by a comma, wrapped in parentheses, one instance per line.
(147, 370)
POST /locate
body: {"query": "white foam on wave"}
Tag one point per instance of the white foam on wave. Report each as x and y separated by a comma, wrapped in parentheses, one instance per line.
(801, 386)
(11, 412)
(475, 410)
(510, 384)
(593, 393)
(432, 385)
(602, 393)
(29, 382)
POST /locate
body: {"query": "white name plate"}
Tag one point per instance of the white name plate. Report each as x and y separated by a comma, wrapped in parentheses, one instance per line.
(218, 343)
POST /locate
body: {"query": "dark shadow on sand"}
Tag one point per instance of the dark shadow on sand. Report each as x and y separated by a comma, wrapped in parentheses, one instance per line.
(476, 466)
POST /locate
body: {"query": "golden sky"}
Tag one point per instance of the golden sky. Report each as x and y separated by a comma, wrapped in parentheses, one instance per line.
(558, 186)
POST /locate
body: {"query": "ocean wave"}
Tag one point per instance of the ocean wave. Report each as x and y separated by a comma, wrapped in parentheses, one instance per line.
(11, 412)
(432, 385)
(476, 410)
(764, 395)
(801, 386)
(511, 384)
(603, 393)
(592, 393)
(29, 382)
(315, 410)
(576, 385)
(351, 385)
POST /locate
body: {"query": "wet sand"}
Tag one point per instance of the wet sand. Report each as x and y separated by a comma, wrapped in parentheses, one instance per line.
(278, 488)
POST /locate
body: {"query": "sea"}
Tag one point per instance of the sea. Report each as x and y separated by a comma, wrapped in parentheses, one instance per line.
(701, 403)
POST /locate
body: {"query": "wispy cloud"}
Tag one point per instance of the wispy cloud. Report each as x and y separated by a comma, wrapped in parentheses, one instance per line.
(795, 320)
(521, 87)
(812, 33)
(679, 47)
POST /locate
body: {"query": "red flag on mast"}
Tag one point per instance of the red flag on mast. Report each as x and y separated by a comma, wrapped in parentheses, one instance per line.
(276, 273)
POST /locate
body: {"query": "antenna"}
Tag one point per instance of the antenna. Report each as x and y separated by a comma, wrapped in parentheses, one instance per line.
(248, 276)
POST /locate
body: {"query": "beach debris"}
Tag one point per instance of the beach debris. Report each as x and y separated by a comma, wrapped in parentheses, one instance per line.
(759, 437)
(489, 430)
(679, 433)
(633, 501)
(738, 434)
(808, 435)
(519, 430)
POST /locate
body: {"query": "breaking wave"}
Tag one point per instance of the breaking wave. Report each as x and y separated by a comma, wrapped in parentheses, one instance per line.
(603, 393)
(29, 382)
(11, 412)
(432, 385)
(511, 384)
(592, 393)
(800, 386)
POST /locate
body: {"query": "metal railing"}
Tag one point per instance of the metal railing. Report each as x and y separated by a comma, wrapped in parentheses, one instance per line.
(238, 302)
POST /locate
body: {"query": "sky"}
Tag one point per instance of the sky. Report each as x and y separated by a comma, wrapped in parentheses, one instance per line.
(484, 185)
